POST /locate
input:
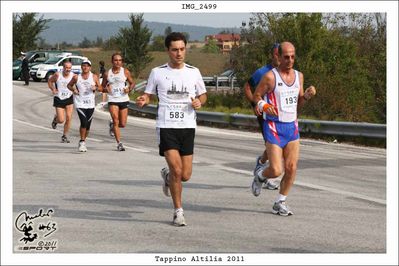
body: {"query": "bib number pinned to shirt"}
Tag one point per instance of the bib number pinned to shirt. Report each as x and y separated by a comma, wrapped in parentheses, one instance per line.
(175, 114)
(289, 101)
(117, 92)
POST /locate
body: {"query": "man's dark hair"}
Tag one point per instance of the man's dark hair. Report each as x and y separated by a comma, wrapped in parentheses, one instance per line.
(175, 36)
(115, 54)
(274, 47)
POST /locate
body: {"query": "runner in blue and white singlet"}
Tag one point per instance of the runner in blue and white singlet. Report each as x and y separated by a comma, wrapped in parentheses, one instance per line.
(278, 95)
(282, 128)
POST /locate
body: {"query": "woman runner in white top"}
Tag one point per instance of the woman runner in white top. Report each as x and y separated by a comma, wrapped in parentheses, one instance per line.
(114, 83)
(86, 85)
(63, 99)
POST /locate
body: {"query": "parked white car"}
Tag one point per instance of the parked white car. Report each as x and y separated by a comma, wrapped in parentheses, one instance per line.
(55, 64)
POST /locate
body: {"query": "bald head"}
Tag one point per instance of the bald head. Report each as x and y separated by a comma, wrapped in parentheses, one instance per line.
(285, 46)
(286, 55)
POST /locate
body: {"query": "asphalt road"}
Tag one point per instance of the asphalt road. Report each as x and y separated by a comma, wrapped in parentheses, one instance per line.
(112, 202)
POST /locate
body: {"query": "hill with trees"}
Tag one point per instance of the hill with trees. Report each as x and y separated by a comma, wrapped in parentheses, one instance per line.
(75, 31)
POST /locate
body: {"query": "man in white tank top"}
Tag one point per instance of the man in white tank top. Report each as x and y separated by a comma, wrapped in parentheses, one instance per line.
(83, 87)
(180, 90)
(63, 98)
(279, 94)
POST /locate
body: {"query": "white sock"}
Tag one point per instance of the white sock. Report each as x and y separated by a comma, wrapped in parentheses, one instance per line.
(178, 210)
(281, 197)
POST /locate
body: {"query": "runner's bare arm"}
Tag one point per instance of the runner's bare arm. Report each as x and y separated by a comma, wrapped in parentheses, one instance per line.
(265, 86)
(248, 92)
(104, 86)
(97, 83)
(129, 78)
(71, 84)
(305, 95)
(51, 81)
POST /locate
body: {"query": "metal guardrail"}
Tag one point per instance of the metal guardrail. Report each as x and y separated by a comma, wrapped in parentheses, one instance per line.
(231, 81)
(140, 86)
(333, 128)
(218, 80)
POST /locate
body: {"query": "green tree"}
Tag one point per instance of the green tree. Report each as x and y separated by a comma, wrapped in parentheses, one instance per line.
(25, 31)
(167, 31)
(369, 34)
(338, 53)
(187, 35)
(99, 42)
(110, 44)
(158, 43)
(64, 45)
(225, 31)
(41, 44)
(211, 47)
(133, 42)
(85, 43)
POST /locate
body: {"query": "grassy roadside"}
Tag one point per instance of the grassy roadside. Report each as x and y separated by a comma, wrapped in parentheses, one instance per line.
(208, 64)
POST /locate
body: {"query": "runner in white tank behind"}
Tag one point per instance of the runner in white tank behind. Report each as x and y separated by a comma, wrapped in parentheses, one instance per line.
(84, 98)
(114, 83)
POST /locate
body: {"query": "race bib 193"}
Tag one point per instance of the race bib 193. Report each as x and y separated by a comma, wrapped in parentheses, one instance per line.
(289, 100)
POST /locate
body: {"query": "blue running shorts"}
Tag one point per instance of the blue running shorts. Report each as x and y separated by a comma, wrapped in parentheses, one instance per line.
(280, 133)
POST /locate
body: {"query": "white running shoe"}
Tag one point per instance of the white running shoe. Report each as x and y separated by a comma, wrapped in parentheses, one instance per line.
(64, 139)
(165, 185)
(111, 128)
(82, 146)
(256, 186)
(270, 184)
(178, 218)
(120, 147)
(281, 208)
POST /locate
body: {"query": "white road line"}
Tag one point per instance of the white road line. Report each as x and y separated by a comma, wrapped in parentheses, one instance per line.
(309, 185)
(136, 149)
(92, 139)
(244, 172)
(36, 126)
